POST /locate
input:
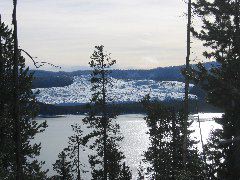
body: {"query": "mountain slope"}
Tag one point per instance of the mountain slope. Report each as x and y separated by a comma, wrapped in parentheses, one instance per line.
(45, 79)
(122, 91)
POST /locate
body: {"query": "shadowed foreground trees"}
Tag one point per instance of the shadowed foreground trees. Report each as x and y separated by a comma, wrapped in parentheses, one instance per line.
(17, 154)
(63, 167)
(69, 165)
(220, 33)
(166, 127)
(75, 144)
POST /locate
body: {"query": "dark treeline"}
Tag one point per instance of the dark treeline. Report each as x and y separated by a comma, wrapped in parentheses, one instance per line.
(124, 108)
(51, 81)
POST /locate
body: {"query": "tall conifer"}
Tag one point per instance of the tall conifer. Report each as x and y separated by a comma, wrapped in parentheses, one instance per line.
(186, 100)
(221, 35)
(17, 161)
(16, 112)
(166, 130)
(75, 145)
(106, 164)
(63, 167)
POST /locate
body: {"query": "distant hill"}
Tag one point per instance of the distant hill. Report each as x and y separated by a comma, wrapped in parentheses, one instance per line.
(66, 84)
(44, 79)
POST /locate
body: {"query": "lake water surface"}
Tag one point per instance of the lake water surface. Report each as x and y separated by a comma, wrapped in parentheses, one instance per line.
(133, 128)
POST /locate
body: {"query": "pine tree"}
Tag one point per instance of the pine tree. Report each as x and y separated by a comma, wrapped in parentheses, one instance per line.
(214, 156)
(75, 144)
(63, 167)
(166, 127)
(17, 161)
(106, 164)
(220, 33)
(125, 173)
(186, 100)
(140, 172)
(16, 112)
(5, 37)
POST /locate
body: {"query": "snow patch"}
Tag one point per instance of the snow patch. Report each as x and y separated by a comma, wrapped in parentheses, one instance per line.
(121, 91)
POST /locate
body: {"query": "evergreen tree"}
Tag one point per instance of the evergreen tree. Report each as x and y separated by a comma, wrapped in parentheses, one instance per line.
(186, 98)
(166, 127)
(220, 33)
(75, 144)
(63, 167)
(106, 164)
(17, 160)
(5, 37)
(140, 172)
(125, 173)
(15, 99)
(214, 156)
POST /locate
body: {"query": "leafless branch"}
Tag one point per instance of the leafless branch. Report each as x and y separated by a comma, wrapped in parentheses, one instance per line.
(38, 64)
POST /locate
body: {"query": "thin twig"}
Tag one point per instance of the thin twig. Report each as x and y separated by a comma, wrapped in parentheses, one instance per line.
(38, 64)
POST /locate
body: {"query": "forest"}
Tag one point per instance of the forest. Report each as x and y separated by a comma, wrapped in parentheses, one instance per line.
(172, 153)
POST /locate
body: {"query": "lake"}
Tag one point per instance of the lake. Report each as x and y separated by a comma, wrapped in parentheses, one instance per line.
(133, 128)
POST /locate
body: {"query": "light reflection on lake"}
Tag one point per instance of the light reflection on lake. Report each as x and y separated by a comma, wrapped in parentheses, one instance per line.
(133, 128)
(55, 138)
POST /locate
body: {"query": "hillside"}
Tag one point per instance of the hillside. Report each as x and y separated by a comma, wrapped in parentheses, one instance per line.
(69, 91)
(44, 79)
(121, 91)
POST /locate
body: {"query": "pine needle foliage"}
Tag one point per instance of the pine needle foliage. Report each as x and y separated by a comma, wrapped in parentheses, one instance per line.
(75, 145)
(166, 127)
(105, 136)
(220, 34)
(28, 127)
(63, 167)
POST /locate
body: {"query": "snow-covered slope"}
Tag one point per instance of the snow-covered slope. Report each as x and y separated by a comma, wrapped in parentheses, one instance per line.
(122, 91)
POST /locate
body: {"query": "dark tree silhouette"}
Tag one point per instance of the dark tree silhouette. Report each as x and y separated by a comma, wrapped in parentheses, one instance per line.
(17, 154)
(1, 61)
(63, 167)
(75, 144)
(16, 113)
(107, 163)
(220, 33)
(166, 128)
(186, 100)
(214, 156)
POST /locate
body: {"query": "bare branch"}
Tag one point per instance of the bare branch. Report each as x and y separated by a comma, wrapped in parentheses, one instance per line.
(38, 64)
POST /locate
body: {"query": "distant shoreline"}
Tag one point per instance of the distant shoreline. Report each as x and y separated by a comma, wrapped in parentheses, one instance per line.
(51, 116)
(53, 111)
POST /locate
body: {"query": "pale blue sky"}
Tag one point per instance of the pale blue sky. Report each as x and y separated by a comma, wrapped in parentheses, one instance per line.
(138, 33)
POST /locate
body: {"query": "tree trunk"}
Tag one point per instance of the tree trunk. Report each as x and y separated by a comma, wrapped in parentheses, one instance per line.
(174, 144)
(201, 139)
(1, 66)
(78, 163)
(1, 90)
(187, 83)
(105, 167)
(64, 176)
(16, 118)
(105, 151)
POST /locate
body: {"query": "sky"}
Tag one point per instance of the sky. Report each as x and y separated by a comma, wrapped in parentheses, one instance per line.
(139, 34)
